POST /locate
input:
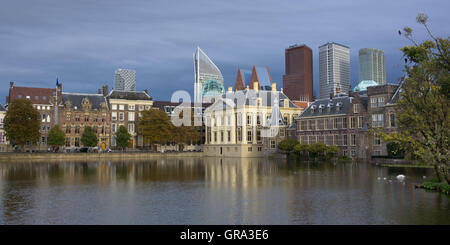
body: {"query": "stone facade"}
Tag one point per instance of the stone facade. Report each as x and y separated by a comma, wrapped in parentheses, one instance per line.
(3, 141)
(235, 124)
(126, 109)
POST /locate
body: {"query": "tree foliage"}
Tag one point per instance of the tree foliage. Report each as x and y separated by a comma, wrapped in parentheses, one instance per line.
(287, 145)
(22, 122)
(155, 127)
(317, 149)
(56, 137)
(423, 107)
(123, 137)
(89, 137)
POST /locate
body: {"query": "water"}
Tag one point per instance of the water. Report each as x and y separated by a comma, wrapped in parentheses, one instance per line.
(215, 191)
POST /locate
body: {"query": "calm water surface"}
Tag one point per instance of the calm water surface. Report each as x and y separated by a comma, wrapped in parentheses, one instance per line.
(215, 191)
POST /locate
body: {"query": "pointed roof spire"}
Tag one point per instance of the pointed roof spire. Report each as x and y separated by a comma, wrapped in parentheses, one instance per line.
(239, 85)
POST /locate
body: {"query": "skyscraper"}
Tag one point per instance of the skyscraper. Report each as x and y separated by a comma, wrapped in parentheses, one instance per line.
(372, 65)
(298, 78)
(125, 80)
(208, 82)
(334, 69)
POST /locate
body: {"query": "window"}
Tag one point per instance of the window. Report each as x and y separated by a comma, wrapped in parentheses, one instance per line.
(259, 148)
(353, 153)
(103, 129)
(356, 108)
(113, 127)
(77, 118)
(86, 118)
(258, 135)
(327, 124)
(114, 107)
(77, 129)
(147, 107)
(345, 139)
(114, 116)
(344, 122)
(353, 139)
(95, 119)
(381, 101)
(352, 122)
(38, 107)
(141, 107)
(336, 140)
(377, 140)
(28, 97)
(373, 102)
(250, 149)
(130, 116)
(392, 120)
(377, 153)
(215, 136)
(131, 107)
(67, 117)
(229, 136)
(360, 122)
(282, 132)
(95, 129)
(249, 120)
(121, 107)
(113, 140)
(272, 144)
(19, 96)
(68, 130)
(221, 136)
(312, 124)
(377, 120)
(258, 120)
(335, 123)
(68, 141)
(249, 135)
(43, 138)
(131, 127)
(43, 117)
(121, 117)
(239, 134)
(44, 97)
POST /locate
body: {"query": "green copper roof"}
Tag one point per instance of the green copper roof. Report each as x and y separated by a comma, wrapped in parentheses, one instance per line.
(362, 86)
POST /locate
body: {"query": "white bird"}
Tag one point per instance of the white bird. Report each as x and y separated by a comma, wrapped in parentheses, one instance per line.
(401, 177)
(384, 178)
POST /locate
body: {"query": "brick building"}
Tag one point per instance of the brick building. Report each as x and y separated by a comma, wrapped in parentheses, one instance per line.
(298, 78)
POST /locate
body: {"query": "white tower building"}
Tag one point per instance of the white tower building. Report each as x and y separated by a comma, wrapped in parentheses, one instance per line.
(208, 84)
(372, 65)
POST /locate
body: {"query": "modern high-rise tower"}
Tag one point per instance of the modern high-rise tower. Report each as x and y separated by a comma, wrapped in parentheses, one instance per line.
(334, 69)
(372, 65)
(125, 80)
(208, 82)
(298, 78)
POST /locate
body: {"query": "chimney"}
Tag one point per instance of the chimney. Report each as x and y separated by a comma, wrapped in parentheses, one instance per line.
(99, 91)
(105, 90)
(11, 84)
(230, 89)
(256, 86)
(274, 87)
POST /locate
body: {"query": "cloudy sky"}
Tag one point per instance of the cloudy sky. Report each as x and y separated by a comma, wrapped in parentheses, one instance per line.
(84, 41)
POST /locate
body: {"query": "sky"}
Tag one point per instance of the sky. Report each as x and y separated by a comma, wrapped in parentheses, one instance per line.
(83, 42)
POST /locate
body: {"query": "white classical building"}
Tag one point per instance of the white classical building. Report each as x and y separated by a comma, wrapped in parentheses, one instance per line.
(248, 123)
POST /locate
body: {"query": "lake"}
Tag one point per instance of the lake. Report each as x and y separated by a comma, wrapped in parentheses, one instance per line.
(216, 191)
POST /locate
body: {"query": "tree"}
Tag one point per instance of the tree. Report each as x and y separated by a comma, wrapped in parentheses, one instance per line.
(89, 137)
(56, 137)
(317, 149)
(22, 122)
(287, 145)
(155, 127)
(301, 149)
(123, 137)
(395, 149)
(333, 150)
(423, 107)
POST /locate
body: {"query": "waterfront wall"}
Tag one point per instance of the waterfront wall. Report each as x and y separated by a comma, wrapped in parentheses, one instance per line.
(12, 157)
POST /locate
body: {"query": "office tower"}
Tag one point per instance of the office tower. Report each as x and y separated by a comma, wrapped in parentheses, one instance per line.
(334, 69)
(372, 65)
(125, 80)
(208, 82)
(298, 78)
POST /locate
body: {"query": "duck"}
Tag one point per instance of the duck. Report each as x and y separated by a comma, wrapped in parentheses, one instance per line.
(401, 177)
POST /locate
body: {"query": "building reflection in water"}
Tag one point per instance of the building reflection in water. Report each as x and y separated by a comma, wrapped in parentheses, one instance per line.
(214, 191)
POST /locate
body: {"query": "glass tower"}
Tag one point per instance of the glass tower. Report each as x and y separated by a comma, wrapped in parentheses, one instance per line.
(125, 80)
(334, 69)
(208, 82)
(372, 65)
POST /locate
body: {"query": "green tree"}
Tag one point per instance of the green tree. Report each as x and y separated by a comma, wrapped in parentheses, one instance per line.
(301, 149)
(155, 127)
(317, 149)
(123, 137)
(22, 123)
(333, 150)
(287, 145)
(423, 107)
(89, 137)
(56, 137)
(394, 149)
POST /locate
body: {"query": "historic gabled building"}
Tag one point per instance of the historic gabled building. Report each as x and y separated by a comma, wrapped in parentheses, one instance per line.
(339, 121)
(81, 110)
(236, 123)
(126, 109)
(260, 76)
(43, 99)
